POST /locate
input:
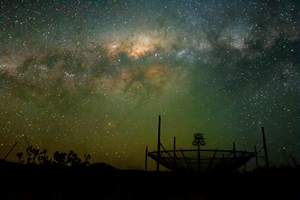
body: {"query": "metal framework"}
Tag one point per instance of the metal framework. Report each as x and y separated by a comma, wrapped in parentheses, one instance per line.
(211, 160)
(203, 160)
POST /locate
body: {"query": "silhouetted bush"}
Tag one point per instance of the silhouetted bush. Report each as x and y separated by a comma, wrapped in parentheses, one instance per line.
(59, 158)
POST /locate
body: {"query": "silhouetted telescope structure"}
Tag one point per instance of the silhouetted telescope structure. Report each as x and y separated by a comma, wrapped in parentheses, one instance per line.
(202, 160)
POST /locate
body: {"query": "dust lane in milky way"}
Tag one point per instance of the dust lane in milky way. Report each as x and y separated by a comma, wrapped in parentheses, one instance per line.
(94, 76)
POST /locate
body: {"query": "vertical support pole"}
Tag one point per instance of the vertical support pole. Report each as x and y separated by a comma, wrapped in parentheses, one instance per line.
(199, 158)
(146, 158)
(174, 153)
(158, 145)
(234, 151)
(234, 154)
(265, 147)
(256, 157)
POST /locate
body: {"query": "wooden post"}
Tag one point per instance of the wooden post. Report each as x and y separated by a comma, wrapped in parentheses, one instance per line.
(146, 158)
(265, 147)
(158, 145)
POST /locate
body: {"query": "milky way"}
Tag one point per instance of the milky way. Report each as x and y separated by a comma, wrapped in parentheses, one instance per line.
(93, 76)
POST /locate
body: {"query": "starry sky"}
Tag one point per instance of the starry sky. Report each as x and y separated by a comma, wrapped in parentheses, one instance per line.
(93, 76)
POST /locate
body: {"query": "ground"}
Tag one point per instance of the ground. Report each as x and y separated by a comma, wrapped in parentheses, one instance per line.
(49, 182)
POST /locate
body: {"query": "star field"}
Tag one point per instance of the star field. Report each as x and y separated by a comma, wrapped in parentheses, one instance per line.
(93, 76)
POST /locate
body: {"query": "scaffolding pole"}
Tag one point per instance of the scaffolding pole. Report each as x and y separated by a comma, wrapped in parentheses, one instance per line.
(158, 145)
(265, 147)
(174, 153)
(199, 158)
(146, 158)
(234, 154)
(256, 161)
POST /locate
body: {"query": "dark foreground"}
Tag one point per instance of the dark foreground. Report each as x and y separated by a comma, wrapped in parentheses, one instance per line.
(41, 182)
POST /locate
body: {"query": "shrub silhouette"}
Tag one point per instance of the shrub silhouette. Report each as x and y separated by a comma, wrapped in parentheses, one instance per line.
(86, 158)
(33, 153)
(20, 154)
(59, 158)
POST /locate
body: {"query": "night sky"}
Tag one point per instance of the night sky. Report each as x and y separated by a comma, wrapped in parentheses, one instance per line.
(93, 77)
